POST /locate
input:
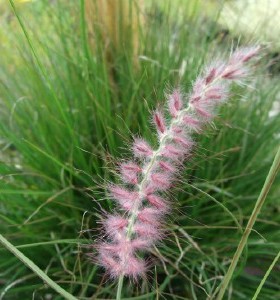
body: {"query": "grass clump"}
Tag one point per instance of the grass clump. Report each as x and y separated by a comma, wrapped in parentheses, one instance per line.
(65, 112)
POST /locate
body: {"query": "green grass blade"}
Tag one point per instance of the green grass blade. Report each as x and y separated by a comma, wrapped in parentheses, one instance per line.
(40, 66)
(266, 187)
(30, 264)
(265, 276)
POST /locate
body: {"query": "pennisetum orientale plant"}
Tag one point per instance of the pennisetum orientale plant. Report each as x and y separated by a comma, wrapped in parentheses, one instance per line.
(137, 225)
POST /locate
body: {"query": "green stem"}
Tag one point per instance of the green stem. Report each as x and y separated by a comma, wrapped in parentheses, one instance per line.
(120, 285)
(30, 264)
(266, 187)
(265, 276)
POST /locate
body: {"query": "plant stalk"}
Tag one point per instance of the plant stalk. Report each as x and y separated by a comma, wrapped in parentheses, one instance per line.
(120, 285)
(265, 276)
(261, 199)
(30, 264)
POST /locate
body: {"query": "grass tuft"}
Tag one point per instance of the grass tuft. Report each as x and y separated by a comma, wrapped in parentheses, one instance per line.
(65, 112)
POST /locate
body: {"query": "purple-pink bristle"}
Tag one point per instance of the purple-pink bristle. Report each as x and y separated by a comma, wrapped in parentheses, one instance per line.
(141, 148)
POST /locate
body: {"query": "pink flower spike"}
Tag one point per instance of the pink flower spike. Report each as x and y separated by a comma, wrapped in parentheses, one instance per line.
(160, 181)
(175, 103)
(125, 197)
(198, 89)
(110, 248)
(234, 73)
(146, 230)
(141, 243)
(114, 226)
(141, 148)
(138, 223)
(212, 72)
(131, 166)
(244, 54)
(166, 166)
(110, 263)
(149, 215)
(118, 192)
(172, 152)
(159, 121)
(129, 172)
(203, 112)
(218, 93)
(115, 222)
(195, 99)
(192, 122)
(186, 143)
(157, 202)
(130, 177)
(177, 129)
(135, 267)
(122, 248)
(211, 75)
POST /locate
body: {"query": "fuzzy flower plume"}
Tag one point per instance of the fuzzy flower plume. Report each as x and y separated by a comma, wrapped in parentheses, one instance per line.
(141, 199)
